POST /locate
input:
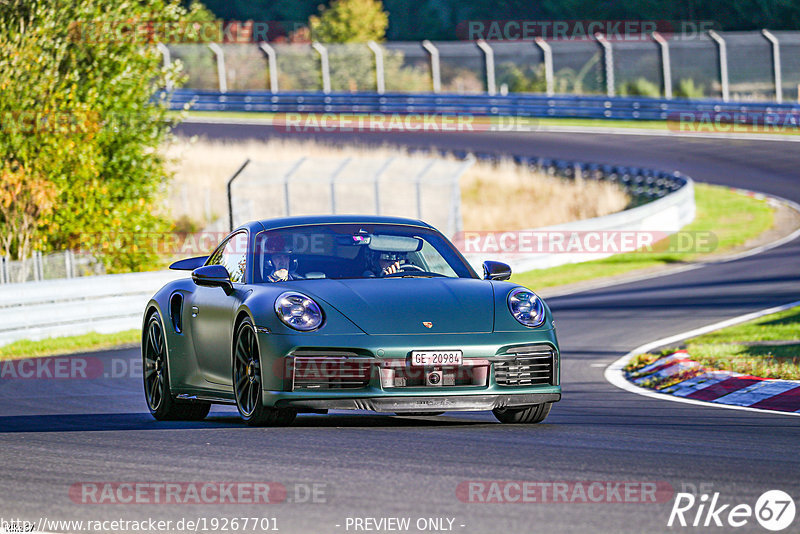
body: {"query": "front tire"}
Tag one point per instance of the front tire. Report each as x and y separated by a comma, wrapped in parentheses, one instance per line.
(529, 415)
(246, 369)
(162, 405)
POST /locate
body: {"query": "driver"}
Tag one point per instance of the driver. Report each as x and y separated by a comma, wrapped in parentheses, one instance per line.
(281, 264)
(385, 263)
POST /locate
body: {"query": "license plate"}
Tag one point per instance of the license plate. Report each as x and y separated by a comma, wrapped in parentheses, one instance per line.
(431, 358)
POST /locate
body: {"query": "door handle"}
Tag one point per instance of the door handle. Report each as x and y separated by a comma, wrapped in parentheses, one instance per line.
(195, 311)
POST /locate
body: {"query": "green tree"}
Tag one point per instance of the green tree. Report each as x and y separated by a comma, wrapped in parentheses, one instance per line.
(350, 21)
(79, 119)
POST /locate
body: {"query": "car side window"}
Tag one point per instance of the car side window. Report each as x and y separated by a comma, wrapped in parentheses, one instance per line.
(233, 256)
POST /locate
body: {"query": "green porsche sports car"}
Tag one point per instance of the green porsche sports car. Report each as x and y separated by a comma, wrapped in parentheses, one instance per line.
(309, 314)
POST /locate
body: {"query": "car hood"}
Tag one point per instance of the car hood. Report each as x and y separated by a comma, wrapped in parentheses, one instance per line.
(403, 305)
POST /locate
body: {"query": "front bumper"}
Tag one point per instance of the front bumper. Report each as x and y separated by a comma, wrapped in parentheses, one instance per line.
(422, 403)
(491, 389)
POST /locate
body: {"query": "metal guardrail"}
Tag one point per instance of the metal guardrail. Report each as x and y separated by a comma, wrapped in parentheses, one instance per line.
(52, 308)
(643, 184)
(662, 201)
(516, 105)
(663, 217)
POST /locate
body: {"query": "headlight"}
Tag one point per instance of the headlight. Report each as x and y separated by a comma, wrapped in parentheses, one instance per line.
(526, 307)
(298, 311)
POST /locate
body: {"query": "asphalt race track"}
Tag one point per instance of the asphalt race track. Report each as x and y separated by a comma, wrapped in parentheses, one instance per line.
(54, 434)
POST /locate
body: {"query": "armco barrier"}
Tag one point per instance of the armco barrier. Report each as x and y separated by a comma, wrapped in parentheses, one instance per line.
(53, 308)
(520, 105)
(663, 216)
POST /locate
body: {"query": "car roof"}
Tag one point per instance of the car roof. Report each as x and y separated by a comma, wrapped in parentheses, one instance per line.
(282, 222)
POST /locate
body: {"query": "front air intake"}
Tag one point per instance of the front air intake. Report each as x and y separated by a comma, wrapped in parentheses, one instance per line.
(335, 370)
(526, 366)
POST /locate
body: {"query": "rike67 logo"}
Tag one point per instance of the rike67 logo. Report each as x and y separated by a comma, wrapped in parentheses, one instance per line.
(774, 510)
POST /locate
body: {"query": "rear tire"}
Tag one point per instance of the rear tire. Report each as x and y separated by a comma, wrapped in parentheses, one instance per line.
(155, 371)
(246, 370)
(530, 415)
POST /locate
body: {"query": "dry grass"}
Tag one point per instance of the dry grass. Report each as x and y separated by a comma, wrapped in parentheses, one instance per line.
(509, 197)
(494, 197)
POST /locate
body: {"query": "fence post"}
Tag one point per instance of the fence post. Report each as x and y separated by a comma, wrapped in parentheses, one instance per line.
(286, 177)
(776, 64)
(436, 75)
(455, 223)
(608, 62)
(577, 173)
(380, 83)
(547, 57)
(3, 269)
(222, 74)
(230, 197)
(666, 69)
(418, 186)
(167, 57)
(36, 258)
(334, 175)
(324, 66)
(377, 183)
(272, 63)
(488, 57)
(722, 50)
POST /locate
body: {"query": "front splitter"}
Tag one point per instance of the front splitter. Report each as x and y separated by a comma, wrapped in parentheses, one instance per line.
(422, 404)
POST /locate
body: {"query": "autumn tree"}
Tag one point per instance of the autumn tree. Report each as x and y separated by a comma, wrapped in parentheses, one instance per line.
(350, 21)
(81, 125)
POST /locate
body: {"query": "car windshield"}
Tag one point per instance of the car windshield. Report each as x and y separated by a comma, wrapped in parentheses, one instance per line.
(355, 251)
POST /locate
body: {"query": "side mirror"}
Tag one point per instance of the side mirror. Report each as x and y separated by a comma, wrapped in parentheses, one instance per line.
(494, 270)
(213, 276)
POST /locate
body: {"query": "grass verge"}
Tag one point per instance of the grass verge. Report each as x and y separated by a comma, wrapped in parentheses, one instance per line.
(732, 217)
(767, 347)
(67, 345)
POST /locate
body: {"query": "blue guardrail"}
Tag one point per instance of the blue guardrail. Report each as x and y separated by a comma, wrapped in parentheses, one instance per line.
(767, 114)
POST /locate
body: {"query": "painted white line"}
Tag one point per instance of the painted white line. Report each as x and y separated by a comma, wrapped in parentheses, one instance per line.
(615, 375)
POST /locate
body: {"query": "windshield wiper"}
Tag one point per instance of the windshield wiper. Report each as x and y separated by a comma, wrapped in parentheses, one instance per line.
(415, 274)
